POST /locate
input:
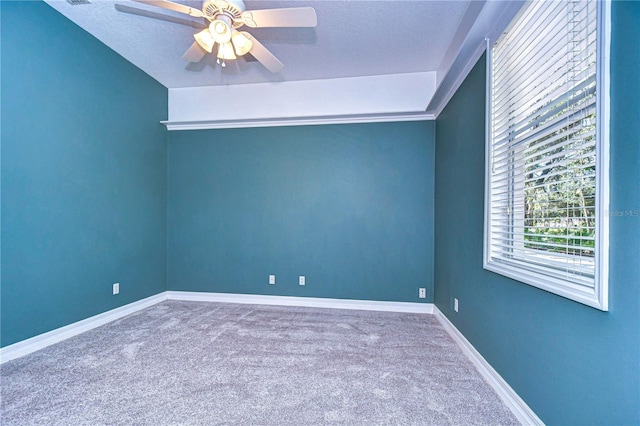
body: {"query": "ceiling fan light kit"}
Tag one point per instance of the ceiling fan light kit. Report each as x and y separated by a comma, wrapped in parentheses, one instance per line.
(225, 53)
(241, 42)
(226, 16)
(220, 29)
(205, 40)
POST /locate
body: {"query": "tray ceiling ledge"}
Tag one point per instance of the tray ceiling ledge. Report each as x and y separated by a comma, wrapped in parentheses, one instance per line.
(395, 97)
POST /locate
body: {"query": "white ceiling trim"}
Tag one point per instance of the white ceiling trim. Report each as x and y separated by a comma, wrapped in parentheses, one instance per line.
(492, 20)
(355, 99)
(303, 121)
(466, 24)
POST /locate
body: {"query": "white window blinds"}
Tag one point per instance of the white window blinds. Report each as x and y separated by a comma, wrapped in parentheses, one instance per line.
(542, 210)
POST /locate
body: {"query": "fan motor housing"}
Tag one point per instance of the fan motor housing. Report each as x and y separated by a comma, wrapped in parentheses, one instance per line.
(231, 8)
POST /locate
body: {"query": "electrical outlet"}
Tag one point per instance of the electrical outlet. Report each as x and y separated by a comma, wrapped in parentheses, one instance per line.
(422, 293)
(301, 280)
(272, 279)
(455, 304)
(116, 288)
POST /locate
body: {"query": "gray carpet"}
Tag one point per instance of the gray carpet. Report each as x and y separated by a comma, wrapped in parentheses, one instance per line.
(213, 363)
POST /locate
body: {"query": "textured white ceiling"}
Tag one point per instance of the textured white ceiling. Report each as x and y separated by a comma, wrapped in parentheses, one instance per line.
(352, 39)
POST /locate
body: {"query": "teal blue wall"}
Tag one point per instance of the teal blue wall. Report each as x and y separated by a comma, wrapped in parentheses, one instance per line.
(85, 199)
(348, 206)
(572, 364)
(83, 175)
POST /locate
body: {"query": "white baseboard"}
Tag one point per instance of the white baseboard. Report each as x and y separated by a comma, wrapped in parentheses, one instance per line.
(518, 407)
(309, 302)
(41, 341)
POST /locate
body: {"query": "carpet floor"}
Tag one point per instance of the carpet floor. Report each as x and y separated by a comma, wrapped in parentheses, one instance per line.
(228, 364)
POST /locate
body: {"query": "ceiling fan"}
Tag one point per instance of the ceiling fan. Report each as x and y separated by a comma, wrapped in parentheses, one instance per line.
(225, 17)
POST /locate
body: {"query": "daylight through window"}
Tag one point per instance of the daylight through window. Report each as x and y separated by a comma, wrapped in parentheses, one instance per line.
(546, 150)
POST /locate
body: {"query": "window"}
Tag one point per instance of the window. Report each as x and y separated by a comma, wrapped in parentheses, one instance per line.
(547, 145)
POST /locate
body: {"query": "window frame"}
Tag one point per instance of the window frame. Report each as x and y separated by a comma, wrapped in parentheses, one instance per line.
(596, 297)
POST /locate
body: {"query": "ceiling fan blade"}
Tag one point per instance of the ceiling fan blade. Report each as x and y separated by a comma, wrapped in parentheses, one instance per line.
(263, 55)
(195, 53)
(176, 7)
(289, 17)
(161, 16)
